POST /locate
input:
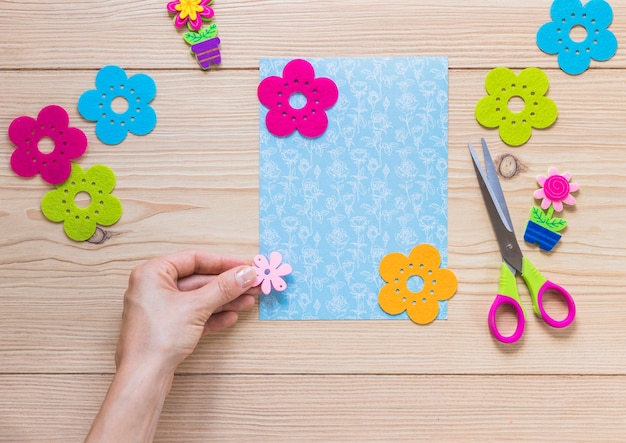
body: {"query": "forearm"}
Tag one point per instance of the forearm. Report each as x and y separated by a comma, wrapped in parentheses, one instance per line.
(132, 407)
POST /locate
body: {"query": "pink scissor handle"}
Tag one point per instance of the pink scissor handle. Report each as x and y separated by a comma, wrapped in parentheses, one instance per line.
(571, 306)
(519, 314)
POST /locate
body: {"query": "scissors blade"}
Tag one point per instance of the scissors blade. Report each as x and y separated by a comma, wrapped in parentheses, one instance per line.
(497, 209)
(494, 184)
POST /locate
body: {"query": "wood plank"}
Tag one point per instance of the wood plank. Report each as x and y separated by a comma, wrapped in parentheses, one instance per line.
(141, 34)
(502, 408)
(61, 300)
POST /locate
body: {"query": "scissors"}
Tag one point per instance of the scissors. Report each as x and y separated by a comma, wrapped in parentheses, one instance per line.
(513, 259)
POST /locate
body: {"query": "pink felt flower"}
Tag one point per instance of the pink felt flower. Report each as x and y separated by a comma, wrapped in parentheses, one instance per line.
(279, 94)
(52, 124)
(269, 274)
(190, 12)
(556, 190)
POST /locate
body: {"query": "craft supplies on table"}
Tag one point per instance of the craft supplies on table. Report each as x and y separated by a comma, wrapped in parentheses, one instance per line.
(513, 259)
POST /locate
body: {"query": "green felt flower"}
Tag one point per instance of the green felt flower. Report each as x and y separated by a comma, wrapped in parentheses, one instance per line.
(79, 223)
(528, 89)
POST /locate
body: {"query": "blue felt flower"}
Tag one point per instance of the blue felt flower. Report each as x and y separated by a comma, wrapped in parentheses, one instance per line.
(591, 40)
(119, 104)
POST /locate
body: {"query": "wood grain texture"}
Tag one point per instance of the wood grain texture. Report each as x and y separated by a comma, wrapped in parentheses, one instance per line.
(333, 408)
(140, 35)
(193, 182)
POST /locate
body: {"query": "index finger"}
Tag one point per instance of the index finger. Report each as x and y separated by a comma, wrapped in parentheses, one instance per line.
(186, 263)
(196, 281)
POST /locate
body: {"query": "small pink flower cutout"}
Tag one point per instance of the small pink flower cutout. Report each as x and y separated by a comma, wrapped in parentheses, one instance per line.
(190, 12)
(52, 123)
(269, 274)
(298, 78)
(556, 190)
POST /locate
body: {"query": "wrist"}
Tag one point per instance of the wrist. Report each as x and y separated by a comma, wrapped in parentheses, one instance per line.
(145, 384)
(154, 371)
(133, 404)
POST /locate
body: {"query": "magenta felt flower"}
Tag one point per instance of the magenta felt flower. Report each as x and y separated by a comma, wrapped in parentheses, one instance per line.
(52, 125)
(556, 190)
(281, 94)
(270, 274)
(190, 12)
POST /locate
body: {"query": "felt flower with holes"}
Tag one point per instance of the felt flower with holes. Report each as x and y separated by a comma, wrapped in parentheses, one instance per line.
(505, 89)
(555, 190)
(79, 223)
(578, 33)
(52, 123)
(423, 265)
(128, 95)
(190, 12)
(269, 274)
(279, 94)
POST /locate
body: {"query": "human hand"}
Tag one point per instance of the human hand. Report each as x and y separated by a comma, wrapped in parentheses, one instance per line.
(172, 301)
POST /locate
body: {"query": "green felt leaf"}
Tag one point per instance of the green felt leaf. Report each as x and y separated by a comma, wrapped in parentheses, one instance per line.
(191, 37)
(541, 218)
(204, 34)
(556, 224)
(537, 215)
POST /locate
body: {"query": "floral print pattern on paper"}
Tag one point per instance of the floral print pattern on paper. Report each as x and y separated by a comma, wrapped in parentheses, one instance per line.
(375, 181)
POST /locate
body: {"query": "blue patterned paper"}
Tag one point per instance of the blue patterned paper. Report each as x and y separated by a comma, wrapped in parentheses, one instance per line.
(375, 182)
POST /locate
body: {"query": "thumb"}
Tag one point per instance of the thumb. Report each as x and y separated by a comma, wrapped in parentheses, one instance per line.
(228, 286)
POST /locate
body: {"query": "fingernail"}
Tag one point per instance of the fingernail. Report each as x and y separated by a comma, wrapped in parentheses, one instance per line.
(246, 276)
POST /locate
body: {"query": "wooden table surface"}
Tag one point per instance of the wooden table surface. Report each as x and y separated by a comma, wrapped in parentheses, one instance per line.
(193, 182)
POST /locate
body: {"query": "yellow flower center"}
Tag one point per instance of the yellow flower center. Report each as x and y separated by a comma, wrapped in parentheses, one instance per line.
(189, 8)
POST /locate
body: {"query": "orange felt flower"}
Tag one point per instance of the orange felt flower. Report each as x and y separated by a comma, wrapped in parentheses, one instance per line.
(421, 266)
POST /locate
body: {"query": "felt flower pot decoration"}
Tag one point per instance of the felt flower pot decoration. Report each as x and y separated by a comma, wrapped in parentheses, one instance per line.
(279, 94)
(543, 228)
(190, 12)
(270, 273)
(578, 34)
(538, 233)
(52, 123)
(79, 223)
(415, 283)
(528, 89)
(133, 94)
(555, 190)
(205, 45)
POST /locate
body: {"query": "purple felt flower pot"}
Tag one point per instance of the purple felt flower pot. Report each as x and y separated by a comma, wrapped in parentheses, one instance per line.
(207, 52)
(545, 238)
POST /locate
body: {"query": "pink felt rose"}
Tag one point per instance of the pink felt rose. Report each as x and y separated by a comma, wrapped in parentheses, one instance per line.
(556, 190)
